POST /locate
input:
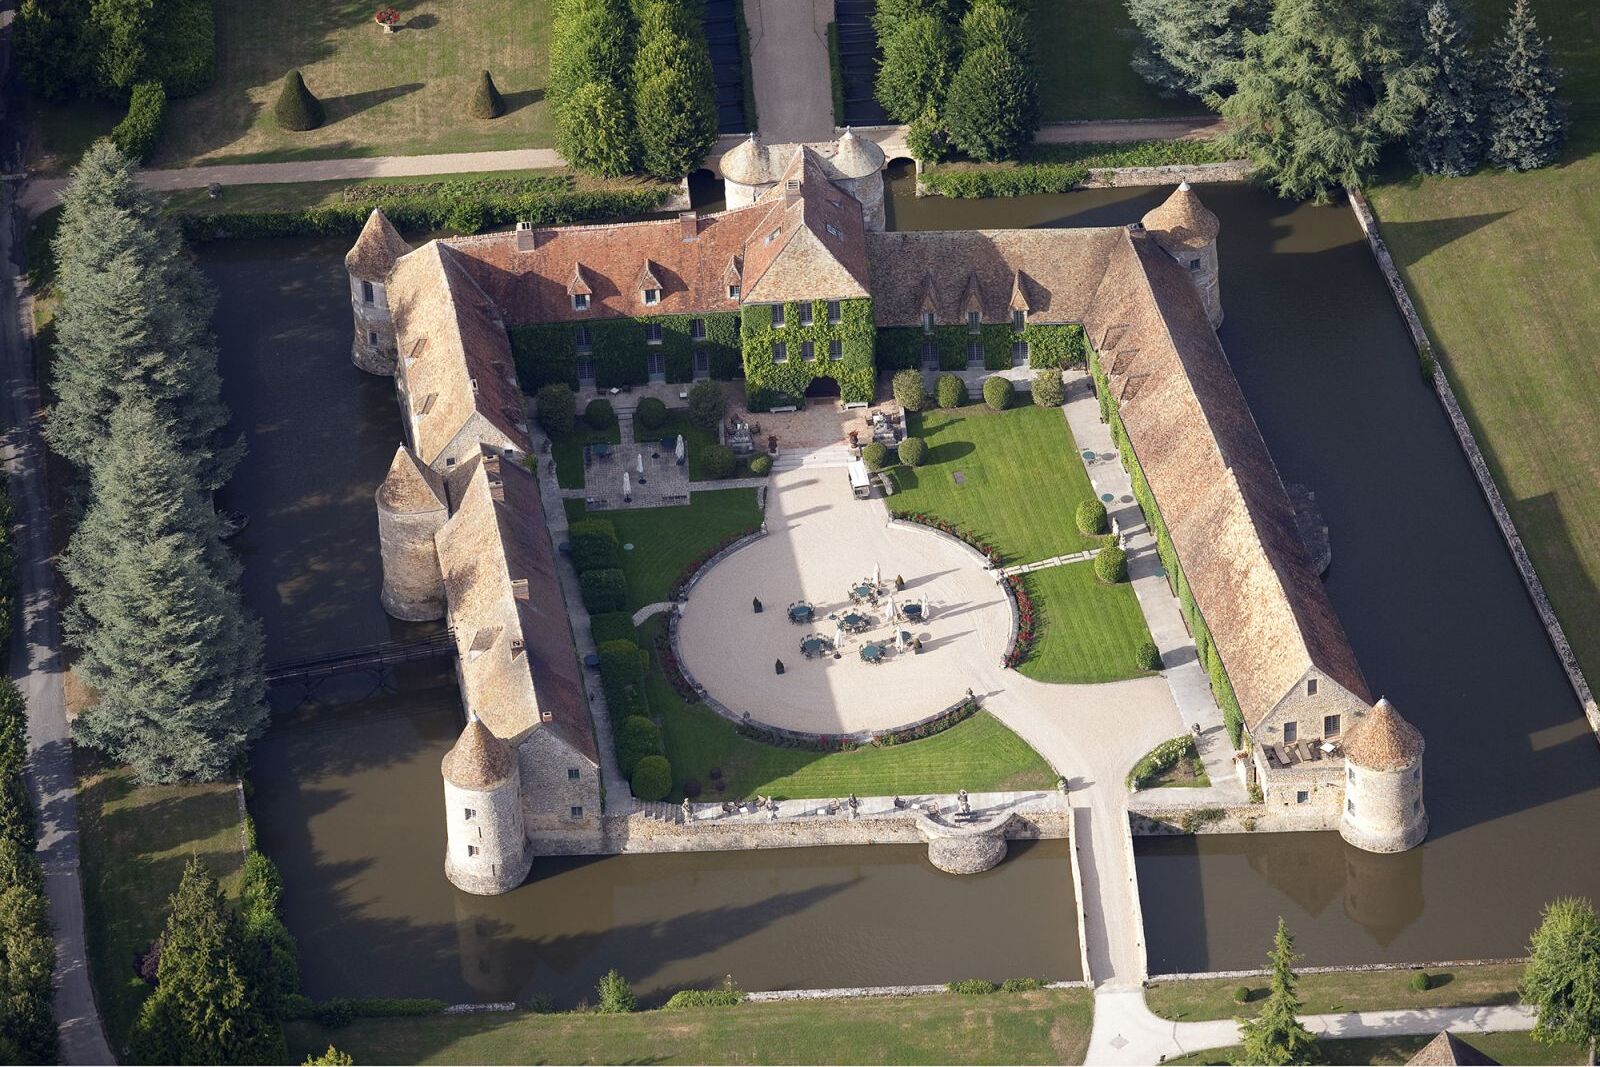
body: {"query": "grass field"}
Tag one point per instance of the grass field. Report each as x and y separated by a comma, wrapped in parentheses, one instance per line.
(1081, 51)
(1341, 991)
(136, 840)
(666, 540)
(1091, 632)
(1501, 1048)
(1047, 1026)
(567, 450)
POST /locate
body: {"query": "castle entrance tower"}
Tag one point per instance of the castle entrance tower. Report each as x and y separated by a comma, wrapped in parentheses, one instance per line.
(411, 510)
(369, 262)
(486, 846)
(1383, 809)
(1187, 231)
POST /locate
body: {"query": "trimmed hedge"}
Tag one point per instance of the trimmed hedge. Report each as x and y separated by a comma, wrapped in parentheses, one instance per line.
(950, 391)
(637, 738)
(604, 590)
(998, 392)
(913, 450)
(718, 461)
(136, 134)
(594, 546)
(486, 101)
(875, 455)
(760, 465)
(622, 665)
(768, 383)
(556, 409)
(1059, 168)
(1111, 565)
(651, 413)
(1048, 391)
(1091, 518)
(907, 388)
(1150, 656)
(652, 778)
(599, 414)
(612, 626)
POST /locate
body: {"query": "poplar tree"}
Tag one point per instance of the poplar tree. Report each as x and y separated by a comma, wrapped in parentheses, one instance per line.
(594, 131)
(1190, 45)
(590, 41)
(1448, 135)
(1562, 978)
(918, 62)
(1527, 122)
(674, 107)
(1276, 1036)
(1319, 94)
(165, 640)
(135, 314)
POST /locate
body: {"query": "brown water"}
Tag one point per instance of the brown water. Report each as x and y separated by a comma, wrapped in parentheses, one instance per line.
(346, 790)
(1427, 592)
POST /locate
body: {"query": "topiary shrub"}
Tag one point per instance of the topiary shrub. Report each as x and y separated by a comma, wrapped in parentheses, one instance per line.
(1420, 982)
(706, 405)
(997, 392)
(612, 626)
(761, 466)
(594, 546)
(486, 100)
(599, 414)
(1241, 994)
(1091, 518)
(1047, 389)
(637, 738)
(604, 590)
(615, 997)
(622, 665)
(913, 451)
(950, 391)
(556, 409)
(717, 461)
(297, 108)
(908, 392)
(1111, 565)
(652, 778)
(876, 455)
(1149, 656)
(651, 413)
(136, 134)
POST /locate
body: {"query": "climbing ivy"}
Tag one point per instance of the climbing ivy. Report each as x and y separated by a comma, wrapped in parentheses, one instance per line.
(769, 383)
(549, 353)
(1054, 347)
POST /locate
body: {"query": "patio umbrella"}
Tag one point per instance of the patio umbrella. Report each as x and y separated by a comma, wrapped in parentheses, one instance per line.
(877, 576)
(626, 491)
(639, 464)
(680, 448)
(838, 634)
(891, 608)
(899, 639)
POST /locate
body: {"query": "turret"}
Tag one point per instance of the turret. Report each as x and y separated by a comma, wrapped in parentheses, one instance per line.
(411, 510)
(1383, 809)
(1187, 231)
(369, 262)
(486, 847)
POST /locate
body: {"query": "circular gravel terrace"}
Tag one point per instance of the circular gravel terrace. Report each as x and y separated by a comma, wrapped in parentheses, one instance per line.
(820, 542)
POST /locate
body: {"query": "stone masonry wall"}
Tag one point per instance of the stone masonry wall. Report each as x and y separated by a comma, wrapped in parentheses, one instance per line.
(1155, 820)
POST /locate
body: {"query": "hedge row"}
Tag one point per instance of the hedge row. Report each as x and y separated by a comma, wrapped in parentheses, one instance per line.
(548, 353)
(1060, 168)
(770, 384)
(27, 1025)
(136, 134)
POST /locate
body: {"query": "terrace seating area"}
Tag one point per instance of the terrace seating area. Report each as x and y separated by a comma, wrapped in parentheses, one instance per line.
(1283, 755)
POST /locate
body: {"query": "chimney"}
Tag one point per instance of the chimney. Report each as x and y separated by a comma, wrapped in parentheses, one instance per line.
(689, 225)
(526, 238)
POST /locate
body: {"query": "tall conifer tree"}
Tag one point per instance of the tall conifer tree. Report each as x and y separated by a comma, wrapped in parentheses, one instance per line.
(1527, 122)
(1276, 1036)
(1189, 45)
(1448, 135)
(674, 110)
(918, 62)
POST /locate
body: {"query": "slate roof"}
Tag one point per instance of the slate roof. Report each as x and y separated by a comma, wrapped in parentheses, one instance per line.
(1382, 740)
(478, 759)
(1447, 1050)
(373, 255)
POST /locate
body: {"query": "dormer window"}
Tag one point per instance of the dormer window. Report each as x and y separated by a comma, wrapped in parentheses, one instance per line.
(733, 292)
(836, 203)
(974, 322)
(927, 322)
(773, 236)
(652, 297)
(833, 230)
(580, 301)
(1019, 319)
(777, 316)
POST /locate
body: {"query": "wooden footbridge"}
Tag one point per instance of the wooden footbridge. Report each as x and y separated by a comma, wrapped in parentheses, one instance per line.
(309, 671)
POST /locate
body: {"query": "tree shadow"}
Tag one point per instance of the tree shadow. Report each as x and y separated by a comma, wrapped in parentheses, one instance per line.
(420, 22)
(339, 108)
(1411, 242)
(517, 101)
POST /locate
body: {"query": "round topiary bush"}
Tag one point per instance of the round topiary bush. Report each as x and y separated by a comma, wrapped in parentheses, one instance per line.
(1047, 389)
(486, 100)
(913, 450)
(1149, 656)
(950, 391)
(599, 414)
(997, 392)
(1241, 994)
(1420, 982)
(637, 738)
(908, 393)
(652, 778)
(1111, 565)
(297, 108)
(761, 466)
(717, 461)
(556, 409)
(651, 413)
(1092, 518)
(876, 455)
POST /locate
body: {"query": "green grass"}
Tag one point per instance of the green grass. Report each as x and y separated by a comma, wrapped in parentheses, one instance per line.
(1502, 1048)
(1081, 51)
(1337, 991)
(1022, 478)
(1090, 631)
(567, 450)
(666, 540)
(979, 754)
(136, 840)
(1047, 1026)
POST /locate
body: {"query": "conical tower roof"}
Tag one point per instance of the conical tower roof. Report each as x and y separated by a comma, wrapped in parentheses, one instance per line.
(855, 157)
(747, 162)
(479, 759)
(1383, 741)
(380, 244)
(1182, 221)
(409, 488)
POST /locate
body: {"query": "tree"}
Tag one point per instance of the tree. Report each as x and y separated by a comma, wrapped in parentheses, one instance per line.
(297, 108)
(487, 102)
(27, 956)
(993, 104)
(997, 392)
(1448, 135)
(706, 405)
(590, 41)
(165, 640)
(1320, 93)
(675, 117)
(1562, 978)
(16, 810)
(331, 1058)
(1189, 46)
(651, 780)
(555, 409)
(907, 388)
(204, 1008)
(135, 315)
(595, 131)
(918, 62)
(887, 15)
(1275, 1036)
(1527, 122)
(997, 23)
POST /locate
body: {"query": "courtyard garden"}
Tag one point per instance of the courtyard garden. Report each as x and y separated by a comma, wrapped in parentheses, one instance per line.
(1088, 631)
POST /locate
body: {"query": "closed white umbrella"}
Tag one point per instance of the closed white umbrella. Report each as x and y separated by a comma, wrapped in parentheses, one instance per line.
(626, 490)
(892, 615)
(680, 448)
(639, 464)
(877, 576)
(838, 634)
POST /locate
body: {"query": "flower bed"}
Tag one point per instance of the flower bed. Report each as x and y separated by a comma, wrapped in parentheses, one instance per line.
(933, 522)
(691, 572)
(1027, 616)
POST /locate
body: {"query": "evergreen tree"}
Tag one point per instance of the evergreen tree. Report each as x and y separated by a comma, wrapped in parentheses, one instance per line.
(993, 104)
(1527, 122)
(918, 62)
(1189, 45)
(135, 314)
(204, 1008)
(1562, 978)
(1320, 93)
(1448, 135)
(297, 107)
(1275, 1036)
(487, 102)
(27, 957)
(674, 103)
(16, 810)
(331, 1058)
(995, 22)
(165, 640)
(887, 15)
(595, 131)
(590, 41)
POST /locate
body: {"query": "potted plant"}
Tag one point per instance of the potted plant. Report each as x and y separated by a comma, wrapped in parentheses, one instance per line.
(772, 443)
(388, 18)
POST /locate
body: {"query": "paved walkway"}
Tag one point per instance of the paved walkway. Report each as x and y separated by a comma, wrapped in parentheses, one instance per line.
(648, 610)
(789, 65)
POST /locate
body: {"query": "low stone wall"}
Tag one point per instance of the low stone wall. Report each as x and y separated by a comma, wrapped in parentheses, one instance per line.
(865, 992)
(1233, 170)
(1360, 968)
(1146, 819)
(1480, 468)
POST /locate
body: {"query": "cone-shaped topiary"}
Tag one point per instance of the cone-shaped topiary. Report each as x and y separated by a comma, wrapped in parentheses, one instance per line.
(486, 100)
(297, 108)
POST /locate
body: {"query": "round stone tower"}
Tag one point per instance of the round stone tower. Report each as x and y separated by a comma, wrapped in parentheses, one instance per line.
(486, 848)
(856, 166)
(411, 510)
(369, 262)
(1187, 230)
(1383, 809)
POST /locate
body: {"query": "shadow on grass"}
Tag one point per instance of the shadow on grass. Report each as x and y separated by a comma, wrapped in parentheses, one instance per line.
(517, 101)
(339, 108)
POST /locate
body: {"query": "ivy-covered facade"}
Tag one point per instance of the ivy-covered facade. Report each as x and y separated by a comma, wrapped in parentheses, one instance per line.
(997, 346)
(788, 346)
(628, 351)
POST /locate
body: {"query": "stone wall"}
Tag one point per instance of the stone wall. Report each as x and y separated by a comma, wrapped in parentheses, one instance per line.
(1235, 170)
(1147, 819)
(1360, 968)
(1480, 468)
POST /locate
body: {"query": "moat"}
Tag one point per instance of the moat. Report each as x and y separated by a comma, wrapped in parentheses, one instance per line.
(346, 791)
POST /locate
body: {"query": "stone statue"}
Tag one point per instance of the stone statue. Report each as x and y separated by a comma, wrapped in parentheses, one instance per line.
(966, 804)
(855, 806)
(772, 807)
(688, 813)
(1061, 784)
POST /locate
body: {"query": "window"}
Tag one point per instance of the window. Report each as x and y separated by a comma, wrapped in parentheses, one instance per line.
(652, 333)
(1301, 796)
(974, 352)
(367, 295)
(656, 365)
(930, 355)
(1291, 732)
(1416, 805)
(777, 315)
(1019, 319)
(652, 297)
(1311, 687)
(697, 329)
(836, 203)
(833, 230)
(733, 292)
(835, 350)
(773, 236)
(1416, 775)
(472, 850)
(572, 774)
(580, 301)
(1019, 353)
(835, 312)
(372, 337)
(1194, 264)
(927, 322)
(974, 322)
(780, 352)
(586, 370)
(1350, 774)
(1350, 806)
(470, 813)
(577, 811)
(805, 314)
(581, 336)
(702, 362)
(1330, 726)
(808, 351)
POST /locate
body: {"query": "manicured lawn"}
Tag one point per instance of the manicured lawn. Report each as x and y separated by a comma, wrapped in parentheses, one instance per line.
(666, 540)
(136, 840)
(1090, 632)
(1012, 478)
(1047, 1026)
(1341, 991)
(1081, 50)
(1502, 1048)
(979, 754)
(568, 451)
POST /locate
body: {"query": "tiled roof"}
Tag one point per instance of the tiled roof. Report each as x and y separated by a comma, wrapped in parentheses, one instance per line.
(373, 255)
(1215, 484)
(1382, 740)
(754, 162)
(478, 759)
(410, 488)
(1182, 221)
(811, 245)
(1448, 1050)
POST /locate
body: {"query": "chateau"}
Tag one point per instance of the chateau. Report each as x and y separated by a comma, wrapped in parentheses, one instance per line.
(797, 289)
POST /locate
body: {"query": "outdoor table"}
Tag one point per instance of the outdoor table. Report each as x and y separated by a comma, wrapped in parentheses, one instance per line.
(602, 449)
(853, 622)
(813, 646)
(801, 613)
(592, 661)
(862, 591)
(872, 653)
(912, 611)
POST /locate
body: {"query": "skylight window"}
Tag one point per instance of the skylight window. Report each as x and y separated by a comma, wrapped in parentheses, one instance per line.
(834, 230)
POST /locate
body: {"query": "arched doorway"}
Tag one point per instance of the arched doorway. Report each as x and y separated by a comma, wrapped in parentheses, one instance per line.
(706, 192)
(822, 386)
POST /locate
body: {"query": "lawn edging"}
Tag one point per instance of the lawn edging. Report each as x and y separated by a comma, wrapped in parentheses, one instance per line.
(1358, 968)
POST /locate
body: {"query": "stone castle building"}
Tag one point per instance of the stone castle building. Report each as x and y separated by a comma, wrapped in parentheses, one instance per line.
(853, 164)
